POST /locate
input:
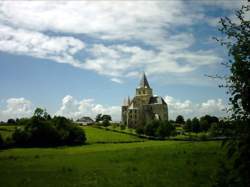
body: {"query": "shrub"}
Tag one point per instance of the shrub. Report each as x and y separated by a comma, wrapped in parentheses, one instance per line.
(150, 128)
(105, 123)
(43, 131)
(76, 136)
(165, 129)
(1, 140)
(139, 130)
(21, 137)
(188, 125)
(122, 127)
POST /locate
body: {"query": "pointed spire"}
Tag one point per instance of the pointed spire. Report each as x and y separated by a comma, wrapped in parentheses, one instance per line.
(144, 81)
(128, 100)
(125, 102)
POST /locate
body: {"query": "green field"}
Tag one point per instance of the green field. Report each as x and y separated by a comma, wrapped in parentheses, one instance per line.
(95, 135)
(148, 163)
(6, 131)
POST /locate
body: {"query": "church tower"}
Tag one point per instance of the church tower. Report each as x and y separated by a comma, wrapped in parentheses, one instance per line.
(144, 92)
(144, 107)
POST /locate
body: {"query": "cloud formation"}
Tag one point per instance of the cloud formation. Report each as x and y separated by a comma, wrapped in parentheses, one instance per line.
(189, 109)
(120, 38)
(73, 108)
(16, 108)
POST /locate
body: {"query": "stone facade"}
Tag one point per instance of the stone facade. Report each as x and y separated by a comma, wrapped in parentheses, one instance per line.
(144, 107)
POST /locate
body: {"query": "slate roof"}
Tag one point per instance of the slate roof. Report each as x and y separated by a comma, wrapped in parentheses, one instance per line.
(156, 100)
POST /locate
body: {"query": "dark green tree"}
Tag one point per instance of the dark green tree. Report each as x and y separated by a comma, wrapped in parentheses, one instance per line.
(106, 117)
(11, 121)
(236, 38)
(188, 125)
(1, 140)
(204, 125)
(180, 119)
(98, 117)
(195, 125)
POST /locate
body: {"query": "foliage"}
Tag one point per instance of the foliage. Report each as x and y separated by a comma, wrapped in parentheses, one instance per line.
(11, 121)
(105, 123)
(237, 41)
(180, 119)
(157, 128)
(151, 128)
(104, 117)
(195, 125)
(122, 127)
(188, 125)
(1, 140)
(98, 117)
(40, 130)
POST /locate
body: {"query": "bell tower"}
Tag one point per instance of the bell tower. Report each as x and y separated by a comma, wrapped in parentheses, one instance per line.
(143, 91)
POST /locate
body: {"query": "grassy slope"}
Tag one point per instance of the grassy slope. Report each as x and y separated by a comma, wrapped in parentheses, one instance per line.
(6, 131)
(95, 135)
(149, 163)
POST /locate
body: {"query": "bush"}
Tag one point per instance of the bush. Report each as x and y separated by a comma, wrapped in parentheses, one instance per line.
(139, 130)
(76, 136)
(1, 140)
(45, 132)
(105, 123)
(158, 128)
(151, 128)
(122, 127)
(165, 129)
(21, 137)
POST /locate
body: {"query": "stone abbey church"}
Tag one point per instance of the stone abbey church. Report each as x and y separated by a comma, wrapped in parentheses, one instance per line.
(144, 107)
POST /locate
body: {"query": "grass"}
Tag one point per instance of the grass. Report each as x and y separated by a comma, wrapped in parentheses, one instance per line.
(95, 135)
(150, 163)
(107, 160)
(7, 130)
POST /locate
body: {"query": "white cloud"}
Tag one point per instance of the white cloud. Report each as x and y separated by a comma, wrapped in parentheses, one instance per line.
(120, 19)
(117, 80)
(24, 27)
(59, 49)
(189, 109)
(16, 108)
(73, 108)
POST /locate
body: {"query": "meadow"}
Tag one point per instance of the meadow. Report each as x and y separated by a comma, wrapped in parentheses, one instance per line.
(113, 162)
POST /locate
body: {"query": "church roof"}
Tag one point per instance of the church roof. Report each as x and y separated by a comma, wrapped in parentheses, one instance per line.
(144, 82)
(156, 100)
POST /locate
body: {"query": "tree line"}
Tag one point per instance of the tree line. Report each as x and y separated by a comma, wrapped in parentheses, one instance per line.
(41, 130)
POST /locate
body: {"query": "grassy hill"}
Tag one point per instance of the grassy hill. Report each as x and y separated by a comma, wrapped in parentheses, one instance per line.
(148, 163)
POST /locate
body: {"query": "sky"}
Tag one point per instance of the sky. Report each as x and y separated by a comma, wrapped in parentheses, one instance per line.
(81, 58)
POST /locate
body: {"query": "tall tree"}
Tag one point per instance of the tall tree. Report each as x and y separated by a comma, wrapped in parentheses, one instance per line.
(237, 40)
(180, 119)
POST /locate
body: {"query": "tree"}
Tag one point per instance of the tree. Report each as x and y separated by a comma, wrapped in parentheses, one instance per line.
(106, 117)
(165, 129)
(98, 117)
(188, 125)
(236, 38)
(180, 119)
(195, 125)
(1, 140)
(11, 121)
(204, 125)
(41, 114)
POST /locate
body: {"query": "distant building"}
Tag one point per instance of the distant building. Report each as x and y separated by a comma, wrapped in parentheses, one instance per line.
(85, 120)
(144, 107)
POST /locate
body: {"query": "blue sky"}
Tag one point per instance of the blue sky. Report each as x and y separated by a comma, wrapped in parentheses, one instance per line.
(82, 58)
